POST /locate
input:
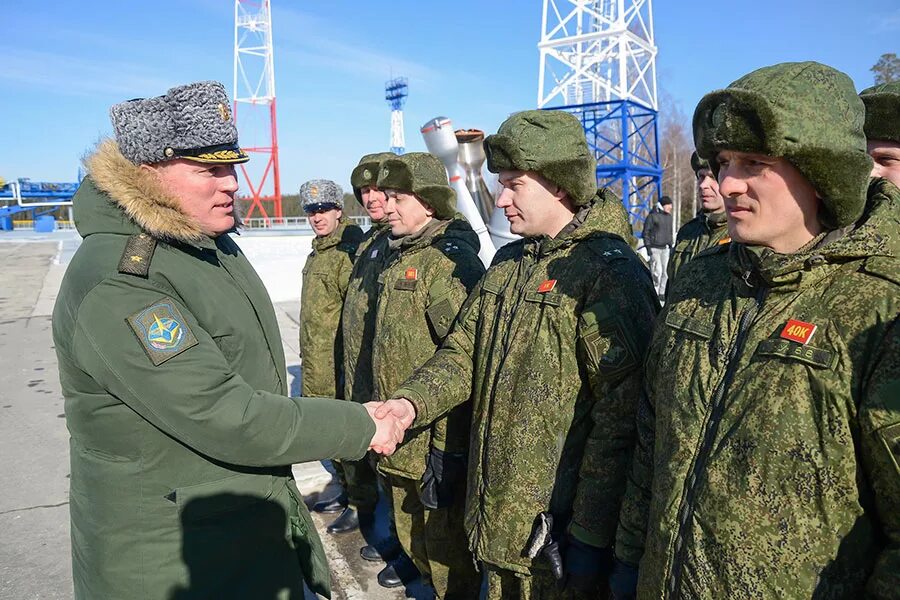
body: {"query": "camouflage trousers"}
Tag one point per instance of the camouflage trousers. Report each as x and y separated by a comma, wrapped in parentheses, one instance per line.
(540, 585)
(435, 541)
(359, 482)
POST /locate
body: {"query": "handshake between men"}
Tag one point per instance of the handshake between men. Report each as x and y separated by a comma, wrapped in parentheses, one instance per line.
(392, 419)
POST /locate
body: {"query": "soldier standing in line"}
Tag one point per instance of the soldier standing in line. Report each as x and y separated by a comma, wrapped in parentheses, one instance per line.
(708, 228)
(325, 279)
(549, 347)
(172, 368)
(431, 266)
(883, 129)
(769, 431)
(358, 326)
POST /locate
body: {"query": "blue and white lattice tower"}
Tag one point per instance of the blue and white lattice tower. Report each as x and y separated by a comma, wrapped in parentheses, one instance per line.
(598, 61)
(395, 92)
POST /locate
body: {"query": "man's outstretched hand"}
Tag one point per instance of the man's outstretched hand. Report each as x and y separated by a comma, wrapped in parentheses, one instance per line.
(389, 430)
(398, 408)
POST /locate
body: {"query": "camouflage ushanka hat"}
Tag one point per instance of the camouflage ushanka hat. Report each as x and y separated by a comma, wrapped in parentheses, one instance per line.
(550, 143)
(321, 194)
(422, 174)
(806, 112)
(882, 111)
(366, 172)
(190, 121)
(697, 163)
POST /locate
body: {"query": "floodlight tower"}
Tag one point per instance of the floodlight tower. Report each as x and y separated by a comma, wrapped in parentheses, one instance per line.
(395, 92)
(598, 61)
(254, 87)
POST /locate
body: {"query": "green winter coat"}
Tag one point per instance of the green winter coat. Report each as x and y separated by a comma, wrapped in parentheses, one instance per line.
(767, 467)
(424, 282)
(358, 316)
(326, 276)
(182, 433)
(553, 335)
(695, 236)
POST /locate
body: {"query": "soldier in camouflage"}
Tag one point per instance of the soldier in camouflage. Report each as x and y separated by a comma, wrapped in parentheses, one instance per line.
(769, 432)
(431, 265)
(358, 328)
(325, 280)
(708, 228)
(883, 129)
(549, 347)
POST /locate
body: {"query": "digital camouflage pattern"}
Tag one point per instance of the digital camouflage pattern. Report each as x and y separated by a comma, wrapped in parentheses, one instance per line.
(882, 111)
(702, 232)
(553, 335)
(548, 142)
(326, 276)
(358, 317)
(779, 111)
(435, 539)
(425, 281)
(365, 173)
(424, 175)
(182, 441)
(358, 332)
(767, 467)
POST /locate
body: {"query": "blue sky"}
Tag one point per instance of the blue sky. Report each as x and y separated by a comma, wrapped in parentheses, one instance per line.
(64, 63)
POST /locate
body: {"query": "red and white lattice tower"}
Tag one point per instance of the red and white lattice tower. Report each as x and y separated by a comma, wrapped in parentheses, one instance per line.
(254, 106)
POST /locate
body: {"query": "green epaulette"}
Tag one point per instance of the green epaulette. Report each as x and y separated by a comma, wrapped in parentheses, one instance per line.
(137, 255)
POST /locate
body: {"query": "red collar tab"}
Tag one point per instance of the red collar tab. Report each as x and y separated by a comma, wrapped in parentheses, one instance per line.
(547, 286)
(798, 331)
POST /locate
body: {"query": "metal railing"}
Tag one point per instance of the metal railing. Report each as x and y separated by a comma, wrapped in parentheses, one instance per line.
(293, 222)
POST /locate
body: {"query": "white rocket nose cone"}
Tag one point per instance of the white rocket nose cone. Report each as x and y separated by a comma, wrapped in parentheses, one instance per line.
(441, 141)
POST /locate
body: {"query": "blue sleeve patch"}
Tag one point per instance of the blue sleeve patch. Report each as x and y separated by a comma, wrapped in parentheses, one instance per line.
(162, 331)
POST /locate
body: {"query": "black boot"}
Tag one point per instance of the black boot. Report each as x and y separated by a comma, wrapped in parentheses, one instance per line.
(400, 572)
(385, 551)
(347, 521)
(336, 504)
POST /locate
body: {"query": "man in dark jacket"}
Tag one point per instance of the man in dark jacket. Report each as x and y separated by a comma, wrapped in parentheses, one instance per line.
(172, 368)
(658, 240)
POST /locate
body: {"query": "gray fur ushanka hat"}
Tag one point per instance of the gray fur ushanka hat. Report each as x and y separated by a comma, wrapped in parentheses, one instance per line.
(321, 194)
(807, 113)
(190, 121)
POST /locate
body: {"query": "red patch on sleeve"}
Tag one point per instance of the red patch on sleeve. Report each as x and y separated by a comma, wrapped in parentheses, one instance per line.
(412, 274)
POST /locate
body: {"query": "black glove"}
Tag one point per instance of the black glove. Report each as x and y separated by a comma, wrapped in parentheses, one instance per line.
(442, 471)
(623, 581)
(552, 554)
(586, 566)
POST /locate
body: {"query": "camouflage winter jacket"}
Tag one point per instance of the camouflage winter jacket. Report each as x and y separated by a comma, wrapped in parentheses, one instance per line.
(325, 278)
(358, 316)
(553, 335)
(425, 281)
(695, 236)
(769, 435)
